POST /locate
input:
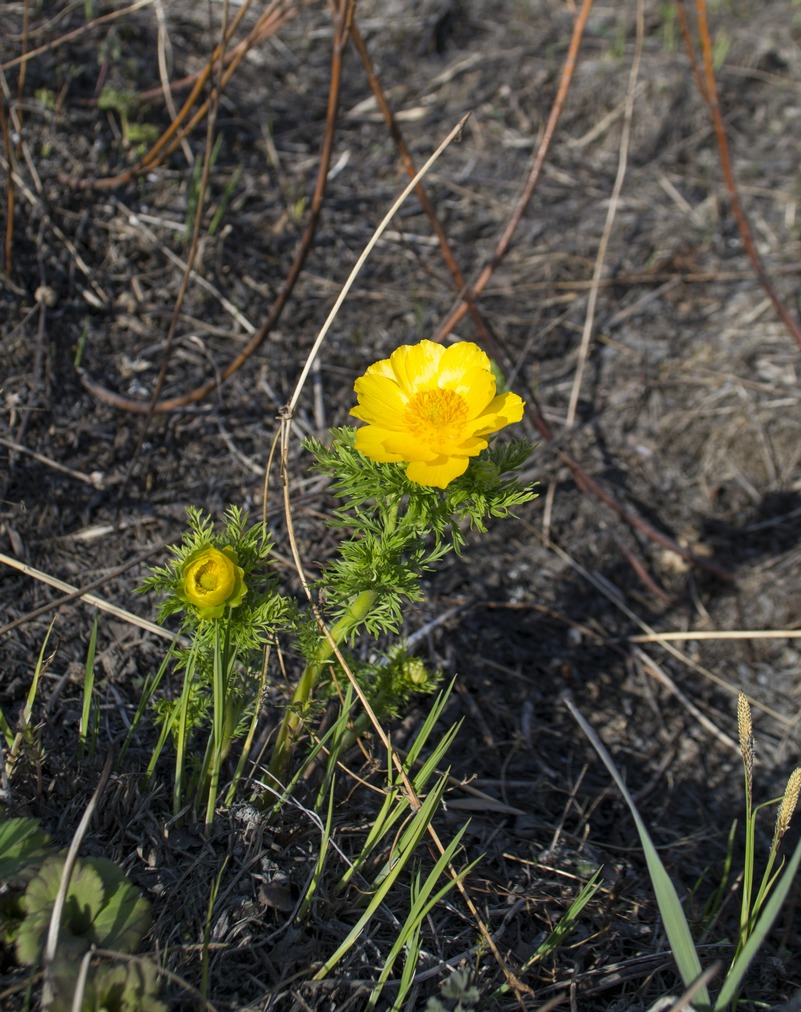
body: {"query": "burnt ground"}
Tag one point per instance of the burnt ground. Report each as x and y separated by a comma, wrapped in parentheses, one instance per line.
(687, 417)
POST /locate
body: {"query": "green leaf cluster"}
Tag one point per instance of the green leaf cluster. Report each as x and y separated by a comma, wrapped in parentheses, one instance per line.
(398, 530)
(389, 683)
(458, 991)
(263, 611)
(263, 608)
(758, 917)
(102, 910)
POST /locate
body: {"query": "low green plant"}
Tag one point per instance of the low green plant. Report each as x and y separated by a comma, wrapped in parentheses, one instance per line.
(760, 904)
(101, 911)
(407, 487)
(193, 196)
(457, 993)
(87, 729)
(397, 530)
(231, 609)
(126, 105)
(23, 739)
(399, 518)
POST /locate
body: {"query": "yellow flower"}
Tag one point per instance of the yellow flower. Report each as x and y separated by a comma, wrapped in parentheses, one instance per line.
(431, 407)
(212, 580)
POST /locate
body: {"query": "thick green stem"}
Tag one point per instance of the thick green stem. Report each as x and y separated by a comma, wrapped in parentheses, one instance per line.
(358, 610)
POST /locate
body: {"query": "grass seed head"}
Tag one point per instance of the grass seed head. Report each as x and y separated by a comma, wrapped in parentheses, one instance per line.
(746, 731)
(788, 805)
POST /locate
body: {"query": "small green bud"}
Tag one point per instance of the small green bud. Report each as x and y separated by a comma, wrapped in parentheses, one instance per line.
(485, 473)
(414, 671)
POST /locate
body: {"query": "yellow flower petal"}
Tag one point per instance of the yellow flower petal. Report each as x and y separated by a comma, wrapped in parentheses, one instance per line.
(370, 442)
(438, 473)
(380, 398)
(470, 447)
(477, 388)
(407, 447)
(502, 410)
(416, 366)
(460, 358)
(212, 581)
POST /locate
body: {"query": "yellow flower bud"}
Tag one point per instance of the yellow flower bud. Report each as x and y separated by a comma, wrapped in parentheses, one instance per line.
(212, 581)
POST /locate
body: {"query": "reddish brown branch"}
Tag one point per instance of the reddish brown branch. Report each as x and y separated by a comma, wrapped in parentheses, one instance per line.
(199, 393)
(183, 124)
(587, 484)
(420, 191)
(686, 34)
(531, 183)
(711, 96)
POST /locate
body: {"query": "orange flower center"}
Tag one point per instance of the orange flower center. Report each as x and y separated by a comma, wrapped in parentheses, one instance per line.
(436, 415)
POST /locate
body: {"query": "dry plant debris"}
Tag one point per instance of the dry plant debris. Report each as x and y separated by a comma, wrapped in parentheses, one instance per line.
(659, 572)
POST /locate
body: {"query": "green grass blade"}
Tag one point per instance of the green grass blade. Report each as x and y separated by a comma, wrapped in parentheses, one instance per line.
(6, 730)
(769, 914)
(248, 742)
(218, 687)
(403, 852)
(675, 921)
(149, 688)
(424, 898)
(409, 967)
(436, 707)
(322, 855)
(27, 710)
(565, 925)
(396, 804)
(207, 928)
(88, 689)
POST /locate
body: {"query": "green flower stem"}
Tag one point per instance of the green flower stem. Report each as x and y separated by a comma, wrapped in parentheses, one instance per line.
(753, 900)
(358, 610)
(180, 743)
(218, 721)
(248, 744)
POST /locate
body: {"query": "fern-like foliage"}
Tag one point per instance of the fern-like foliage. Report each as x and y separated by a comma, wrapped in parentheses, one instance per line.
(398, 530)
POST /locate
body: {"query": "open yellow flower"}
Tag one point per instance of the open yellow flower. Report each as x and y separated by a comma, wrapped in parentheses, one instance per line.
(212, 580)
(431, 407)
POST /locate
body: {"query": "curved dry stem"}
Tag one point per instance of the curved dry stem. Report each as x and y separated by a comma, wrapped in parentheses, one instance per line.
(363, 257)
(202, 189)
(49, 954)
(420, 191)
(75, 33)
(178, 128)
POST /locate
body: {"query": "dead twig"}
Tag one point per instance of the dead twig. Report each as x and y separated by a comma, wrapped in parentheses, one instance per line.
(420, 190)
(76, 33)
(710, 93)
(505, 240)
(276, 15)
(203, 183)
(199, 393)
(77, 592)
(49, 954)
(600, 258)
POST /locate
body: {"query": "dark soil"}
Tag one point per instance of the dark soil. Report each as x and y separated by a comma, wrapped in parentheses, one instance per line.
(687, 419)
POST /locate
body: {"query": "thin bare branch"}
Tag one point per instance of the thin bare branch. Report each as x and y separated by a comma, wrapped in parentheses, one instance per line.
(531, 183)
